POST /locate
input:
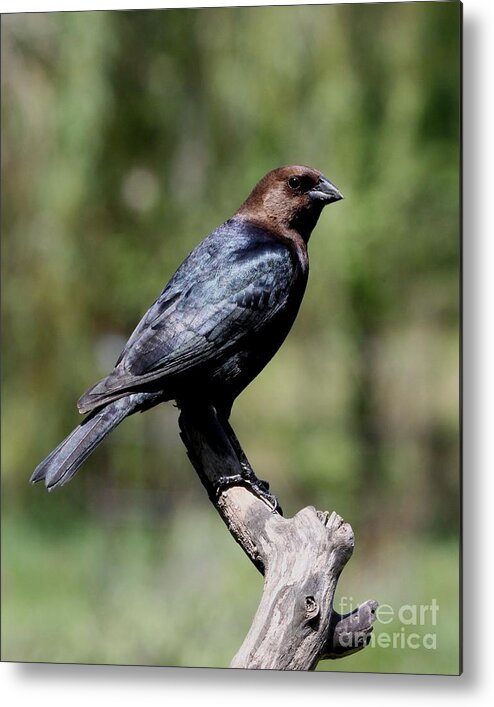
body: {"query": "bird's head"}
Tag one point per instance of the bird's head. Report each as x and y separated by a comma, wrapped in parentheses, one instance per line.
(290, 199)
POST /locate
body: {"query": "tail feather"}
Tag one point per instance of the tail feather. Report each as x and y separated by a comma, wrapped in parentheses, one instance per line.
(61, 465)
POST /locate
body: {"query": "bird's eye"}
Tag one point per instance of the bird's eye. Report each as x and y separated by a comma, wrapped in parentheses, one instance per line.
(294, 182)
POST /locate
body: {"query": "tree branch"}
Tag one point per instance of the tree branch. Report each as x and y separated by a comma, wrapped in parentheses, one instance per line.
(301, 559)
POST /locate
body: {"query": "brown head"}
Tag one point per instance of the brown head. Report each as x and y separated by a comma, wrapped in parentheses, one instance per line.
(289, 199)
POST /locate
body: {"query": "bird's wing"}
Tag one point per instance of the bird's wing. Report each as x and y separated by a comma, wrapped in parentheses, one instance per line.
(221, 293)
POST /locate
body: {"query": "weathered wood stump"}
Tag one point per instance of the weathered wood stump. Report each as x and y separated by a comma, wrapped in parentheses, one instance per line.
(301, 559)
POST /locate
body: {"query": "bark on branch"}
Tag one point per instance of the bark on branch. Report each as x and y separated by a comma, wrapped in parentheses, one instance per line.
(301, 559)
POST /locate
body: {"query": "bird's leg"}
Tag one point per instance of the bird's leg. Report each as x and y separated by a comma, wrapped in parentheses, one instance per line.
(247, 477)
(244, 462)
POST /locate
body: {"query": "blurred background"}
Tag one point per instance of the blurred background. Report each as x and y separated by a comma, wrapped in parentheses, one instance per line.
(126, 138)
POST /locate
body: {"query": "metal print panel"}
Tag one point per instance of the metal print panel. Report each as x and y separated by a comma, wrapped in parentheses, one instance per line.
(242, 223)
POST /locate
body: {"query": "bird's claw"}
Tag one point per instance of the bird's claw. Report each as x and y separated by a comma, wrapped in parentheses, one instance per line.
(259, 488)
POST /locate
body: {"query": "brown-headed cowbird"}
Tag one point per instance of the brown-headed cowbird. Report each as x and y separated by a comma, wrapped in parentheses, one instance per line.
(217, 323)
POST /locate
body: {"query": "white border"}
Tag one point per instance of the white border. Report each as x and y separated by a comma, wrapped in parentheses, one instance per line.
(59, 5)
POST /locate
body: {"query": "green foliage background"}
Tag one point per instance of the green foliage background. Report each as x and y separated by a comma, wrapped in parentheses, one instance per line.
(127, 137)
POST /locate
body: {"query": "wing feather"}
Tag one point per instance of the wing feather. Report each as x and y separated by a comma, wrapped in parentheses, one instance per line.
(204, 312)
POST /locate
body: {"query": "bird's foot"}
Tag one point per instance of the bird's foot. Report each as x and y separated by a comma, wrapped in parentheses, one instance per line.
(248, 473)
(249, 480)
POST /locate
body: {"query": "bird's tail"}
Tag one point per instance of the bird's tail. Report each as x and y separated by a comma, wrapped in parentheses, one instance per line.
(61, 465)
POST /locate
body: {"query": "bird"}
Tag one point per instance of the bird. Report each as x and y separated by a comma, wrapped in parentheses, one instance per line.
(216, 324)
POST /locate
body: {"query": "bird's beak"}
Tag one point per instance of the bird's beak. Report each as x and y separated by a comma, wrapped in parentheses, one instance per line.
(325, 191)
